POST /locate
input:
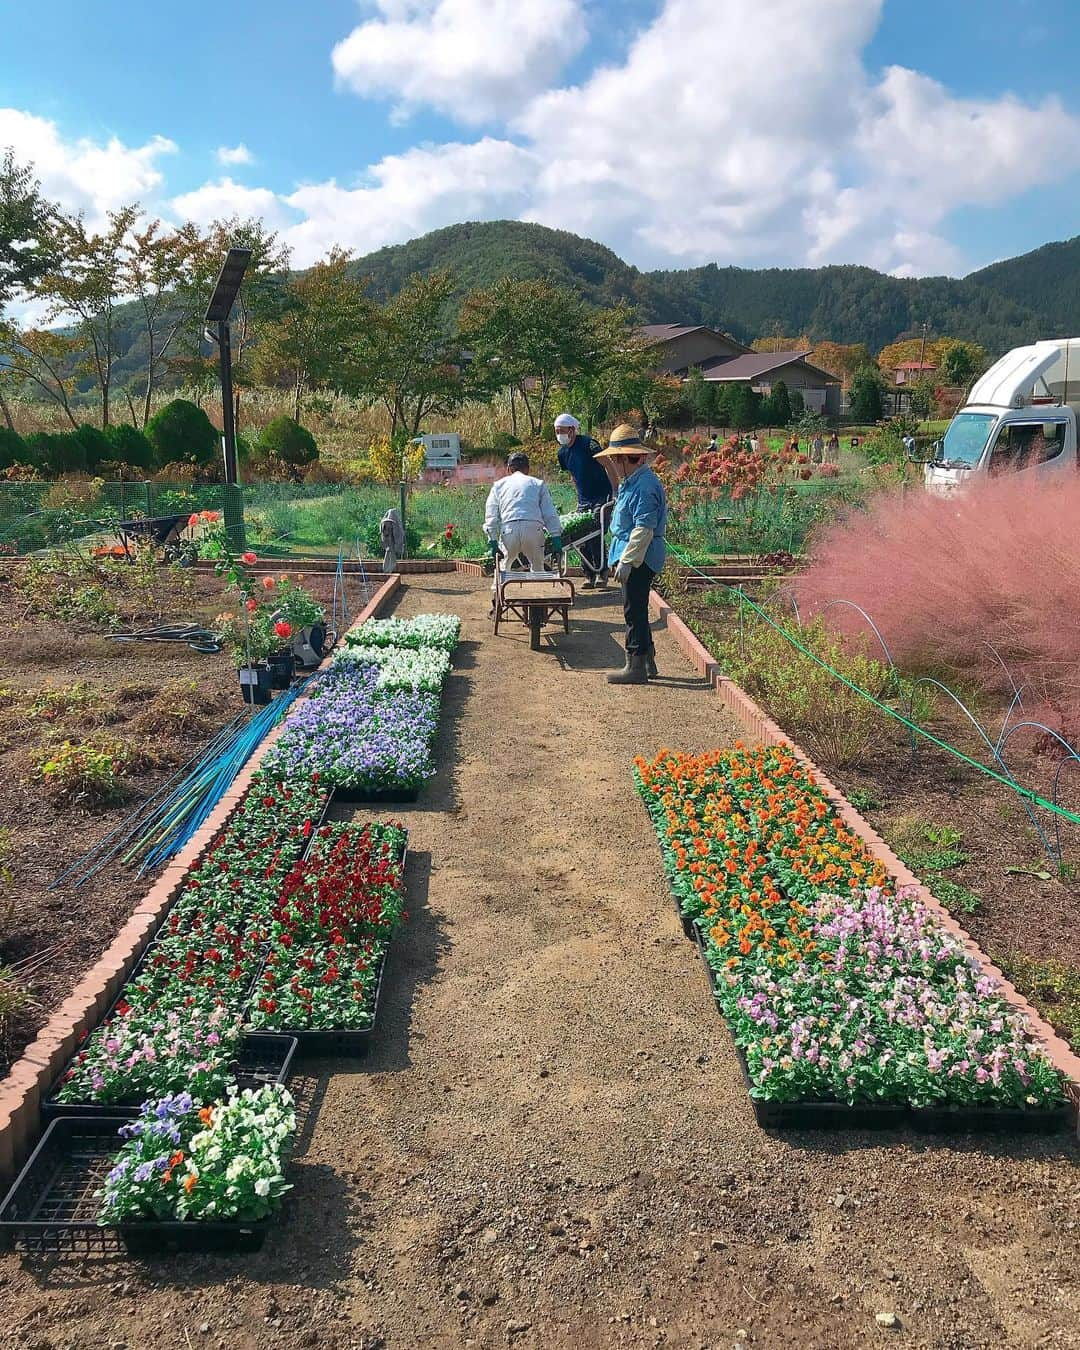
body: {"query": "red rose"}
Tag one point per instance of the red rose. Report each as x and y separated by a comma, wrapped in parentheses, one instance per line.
(283, 629)
(248, 558)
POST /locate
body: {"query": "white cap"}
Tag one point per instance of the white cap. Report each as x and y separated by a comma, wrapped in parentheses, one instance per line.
(567, 420)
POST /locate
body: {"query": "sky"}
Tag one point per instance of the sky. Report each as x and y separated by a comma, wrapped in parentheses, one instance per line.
(915, 136)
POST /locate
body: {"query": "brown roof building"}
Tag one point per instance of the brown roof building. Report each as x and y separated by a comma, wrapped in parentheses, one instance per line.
(722, 359)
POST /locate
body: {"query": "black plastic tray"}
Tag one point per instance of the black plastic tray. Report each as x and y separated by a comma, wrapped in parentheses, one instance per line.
(343, 1044)
(825, 1114)
(710, 974)
(51, 1208)
(265, 1057)
(359, 796)
(991, 1119)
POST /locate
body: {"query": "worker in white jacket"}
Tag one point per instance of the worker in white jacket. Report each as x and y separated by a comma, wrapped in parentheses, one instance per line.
(519, 509)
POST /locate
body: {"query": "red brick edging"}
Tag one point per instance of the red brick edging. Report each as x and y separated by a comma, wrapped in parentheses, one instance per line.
(31, 1076)
(763, 730)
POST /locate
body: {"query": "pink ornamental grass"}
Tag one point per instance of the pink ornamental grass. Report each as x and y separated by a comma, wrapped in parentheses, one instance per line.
(997, 563)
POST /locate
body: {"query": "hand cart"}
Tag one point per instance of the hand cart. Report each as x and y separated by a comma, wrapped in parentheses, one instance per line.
(158, 532)
(535, 598)
(598, 531)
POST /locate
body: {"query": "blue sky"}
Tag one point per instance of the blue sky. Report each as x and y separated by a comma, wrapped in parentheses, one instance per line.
(906, 134)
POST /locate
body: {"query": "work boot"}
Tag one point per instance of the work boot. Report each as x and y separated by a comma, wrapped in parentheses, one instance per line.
(590, 584)
(650, 666)
(632, 673)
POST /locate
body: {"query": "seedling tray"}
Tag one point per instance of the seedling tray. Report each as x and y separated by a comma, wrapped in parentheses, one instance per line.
(52, 1208)
(360, 796)
(265, 1057)
(345, 1044)
(991, 1119)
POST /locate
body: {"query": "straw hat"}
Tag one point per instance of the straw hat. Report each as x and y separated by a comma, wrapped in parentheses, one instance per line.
(624, 440)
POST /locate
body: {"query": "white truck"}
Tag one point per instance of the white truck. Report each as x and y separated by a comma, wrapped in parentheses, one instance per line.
(1021, 415)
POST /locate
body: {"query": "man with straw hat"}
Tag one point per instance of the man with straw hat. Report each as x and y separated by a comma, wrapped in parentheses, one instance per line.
(638, 550)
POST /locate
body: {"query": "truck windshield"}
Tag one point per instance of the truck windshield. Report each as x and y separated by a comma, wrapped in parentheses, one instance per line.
(966, 438)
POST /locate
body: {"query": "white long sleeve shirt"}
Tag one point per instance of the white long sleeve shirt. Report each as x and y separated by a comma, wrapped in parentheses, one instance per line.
(518, 498)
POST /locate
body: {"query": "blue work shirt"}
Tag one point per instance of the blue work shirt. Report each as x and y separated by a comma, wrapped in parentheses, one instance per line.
(641, 501)
(592, 483)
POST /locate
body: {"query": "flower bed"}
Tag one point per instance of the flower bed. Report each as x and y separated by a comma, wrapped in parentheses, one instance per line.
(184, 1161)
(423, 669)
(178, 1023)
(834, 988)
(337, 911)
(425, 630)
(350, 735)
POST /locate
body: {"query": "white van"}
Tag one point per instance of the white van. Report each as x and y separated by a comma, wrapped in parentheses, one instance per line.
(443, 449)
(1020, 415)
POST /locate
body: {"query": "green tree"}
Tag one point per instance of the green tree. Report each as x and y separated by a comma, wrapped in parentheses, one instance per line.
(288, 442)
(310, 345)
(41, 359)
(26, 238)
(529, 336)
(921, 397)
(866, 394)
(182, 432)
(95, 444)
(57, 452)
(407, 358)
(776, 410)
(618, 369)
(744, 407)
(961, 361)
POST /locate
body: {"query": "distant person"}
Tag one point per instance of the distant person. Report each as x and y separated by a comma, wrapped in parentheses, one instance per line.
(392, 538)
(712, 442)
(595, 484)
(833, 447)
(817, 449)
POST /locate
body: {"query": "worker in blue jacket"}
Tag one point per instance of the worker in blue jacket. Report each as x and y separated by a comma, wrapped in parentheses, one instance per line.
(638, 549)
(595, 486)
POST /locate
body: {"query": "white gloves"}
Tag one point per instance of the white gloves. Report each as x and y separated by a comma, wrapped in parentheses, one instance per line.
(637, 545)
(622, 572)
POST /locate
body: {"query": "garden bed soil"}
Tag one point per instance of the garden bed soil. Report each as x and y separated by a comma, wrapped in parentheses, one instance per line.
(1019, 914)
(550, 1143)
(161, 702)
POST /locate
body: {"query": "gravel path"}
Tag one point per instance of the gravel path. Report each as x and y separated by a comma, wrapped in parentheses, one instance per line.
(551, 1144)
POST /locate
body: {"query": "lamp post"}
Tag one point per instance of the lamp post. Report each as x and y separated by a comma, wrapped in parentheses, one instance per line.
(217, 312)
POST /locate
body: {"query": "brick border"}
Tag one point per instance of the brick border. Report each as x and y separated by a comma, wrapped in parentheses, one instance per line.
(31, 1076)
(762, 729)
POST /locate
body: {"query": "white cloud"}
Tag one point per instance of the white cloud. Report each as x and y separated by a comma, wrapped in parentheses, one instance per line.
(215, 201)
(84, 175)
(234, 154)
(473, 60)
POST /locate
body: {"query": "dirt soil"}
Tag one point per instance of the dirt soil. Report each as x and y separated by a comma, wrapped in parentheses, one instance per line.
(551, 1144)
(160, 703)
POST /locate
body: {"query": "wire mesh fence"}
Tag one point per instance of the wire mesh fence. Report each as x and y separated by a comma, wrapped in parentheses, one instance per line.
(311, 520)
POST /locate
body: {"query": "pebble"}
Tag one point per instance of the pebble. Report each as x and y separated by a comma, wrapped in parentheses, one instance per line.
(887, 1319)
(489, 1237)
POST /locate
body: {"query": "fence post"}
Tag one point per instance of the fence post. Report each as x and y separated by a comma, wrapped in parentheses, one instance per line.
(146, 489)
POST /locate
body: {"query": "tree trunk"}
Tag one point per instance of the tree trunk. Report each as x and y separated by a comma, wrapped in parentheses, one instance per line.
(6, 411)
(513, 412)
(296, 399)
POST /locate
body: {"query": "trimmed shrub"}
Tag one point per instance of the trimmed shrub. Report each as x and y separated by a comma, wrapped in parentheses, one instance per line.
(57, 452)
(13, 449)
(129, 446)
(181, 431)
(95, 445)
(289, 442)
(943, 576)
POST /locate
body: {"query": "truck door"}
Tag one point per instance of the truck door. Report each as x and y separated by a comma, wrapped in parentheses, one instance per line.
(1030, 444)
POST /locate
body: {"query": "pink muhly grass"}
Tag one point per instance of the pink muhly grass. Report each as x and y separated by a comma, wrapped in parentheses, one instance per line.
(998, 562)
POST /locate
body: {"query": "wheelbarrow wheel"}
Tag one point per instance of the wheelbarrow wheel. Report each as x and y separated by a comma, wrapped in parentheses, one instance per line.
(536, 619)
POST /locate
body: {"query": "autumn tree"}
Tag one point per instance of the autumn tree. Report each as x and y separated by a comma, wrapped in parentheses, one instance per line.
(311, 344)
(960, 361)
(83, 288)
(162, 269)
(841, 359)
(776, 343)
(41, 358)
(406, 357)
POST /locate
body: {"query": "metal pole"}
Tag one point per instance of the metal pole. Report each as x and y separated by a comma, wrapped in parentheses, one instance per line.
(402, 490)
(232, 502)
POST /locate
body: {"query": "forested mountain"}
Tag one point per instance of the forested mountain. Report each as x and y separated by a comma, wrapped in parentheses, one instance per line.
(1020, 300)
(1037, 295)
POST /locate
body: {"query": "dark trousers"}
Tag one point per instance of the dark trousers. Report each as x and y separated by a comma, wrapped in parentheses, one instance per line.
(590, 552)
(635, 594)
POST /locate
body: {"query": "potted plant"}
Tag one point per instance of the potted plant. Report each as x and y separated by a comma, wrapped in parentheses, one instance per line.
(250, 636)
(294, 605)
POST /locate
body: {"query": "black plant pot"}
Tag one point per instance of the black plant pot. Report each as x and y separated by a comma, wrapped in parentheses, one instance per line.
(317, 640)
(255, 685)
(282, 669)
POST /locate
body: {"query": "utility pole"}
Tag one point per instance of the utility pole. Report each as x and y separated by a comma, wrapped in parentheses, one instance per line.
(922, 348)
(217, 312)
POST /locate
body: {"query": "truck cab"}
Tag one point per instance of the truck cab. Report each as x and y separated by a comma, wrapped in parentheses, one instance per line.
(442, 450)
(1021, 416)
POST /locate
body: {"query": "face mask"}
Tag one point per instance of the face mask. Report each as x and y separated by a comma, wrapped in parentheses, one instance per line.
(563, 437)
